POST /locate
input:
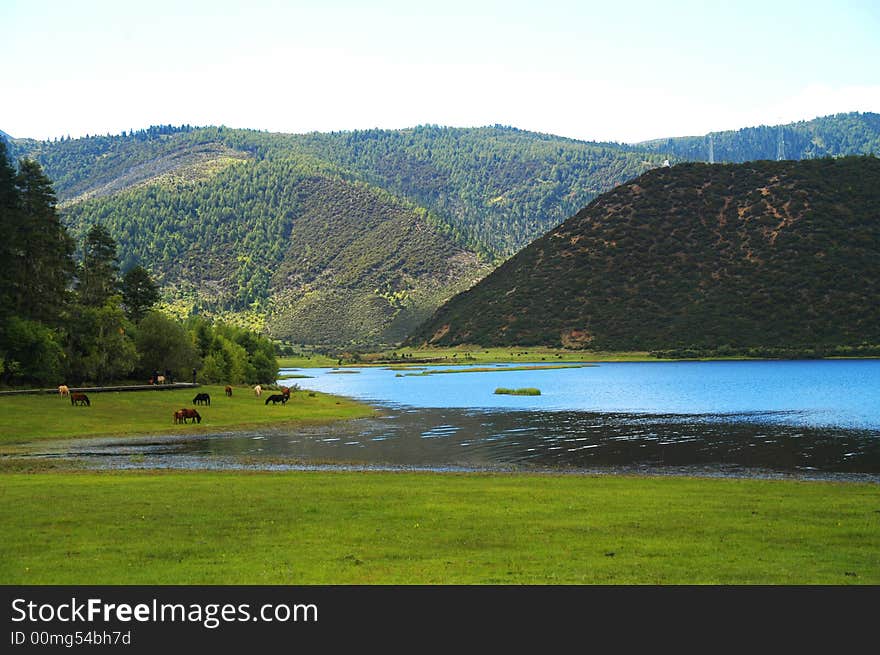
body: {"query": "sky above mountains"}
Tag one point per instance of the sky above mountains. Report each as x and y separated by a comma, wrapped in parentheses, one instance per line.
(624, 71)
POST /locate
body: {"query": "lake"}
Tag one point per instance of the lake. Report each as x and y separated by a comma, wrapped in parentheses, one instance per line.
(812, 419)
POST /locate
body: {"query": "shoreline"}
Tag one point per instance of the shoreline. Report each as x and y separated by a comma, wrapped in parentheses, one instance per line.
(494, 355)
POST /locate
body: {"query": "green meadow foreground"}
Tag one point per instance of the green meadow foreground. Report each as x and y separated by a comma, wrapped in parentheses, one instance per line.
(44, 416)
(416, 528)
(61, 525)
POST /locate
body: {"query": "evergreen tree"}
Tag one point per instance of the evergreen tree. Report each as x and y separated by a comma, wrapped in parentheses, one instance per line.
(8, 223)
(42, 249)
(99, 275)
(139, 293)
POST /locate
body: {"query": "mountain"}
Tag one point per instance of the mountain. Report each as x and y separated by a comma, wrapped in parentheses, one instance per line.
(829, 136)
(496, 188)
(763, 254)
(317, 238)
(240, 223)
(319, 258)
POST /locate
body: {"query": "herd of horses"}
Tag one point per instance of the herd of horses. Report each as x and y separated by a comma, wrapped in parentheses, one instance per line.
(184, 414)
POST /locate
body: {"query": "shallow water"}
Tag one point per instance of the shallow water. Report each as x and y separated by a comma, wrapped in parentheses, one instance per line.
(805, 419)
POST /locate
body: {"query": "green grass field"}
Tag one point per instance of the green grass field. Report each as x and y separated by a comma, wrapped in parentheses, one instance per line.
(48, 416)
(415, 528)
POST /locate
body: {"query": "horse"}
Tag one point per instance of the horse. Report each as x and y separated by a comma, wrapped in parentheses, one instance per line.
(79, 399)
(228, 391)
(160, 379)
(258, 391)
(63, 390)
(184, 413)
(202, 399)
(277, 398)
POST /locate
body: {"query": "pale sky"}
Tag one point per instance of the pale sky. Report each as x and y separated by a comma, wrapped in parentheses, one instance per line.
(608, 71)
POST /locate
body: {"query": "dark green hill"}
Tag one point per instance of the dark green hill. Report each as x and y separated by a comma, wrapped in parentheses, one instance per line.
(766, 254)
(829, 136)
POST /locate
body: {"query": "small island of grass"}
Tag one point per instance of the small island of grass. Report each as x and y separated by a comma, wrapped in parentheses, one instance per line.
(525, 391)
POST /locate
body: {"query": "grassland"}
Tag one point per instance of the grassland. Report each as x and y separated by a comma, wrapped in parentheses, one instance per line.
(26, 418)
(403, 528)
(307, 360)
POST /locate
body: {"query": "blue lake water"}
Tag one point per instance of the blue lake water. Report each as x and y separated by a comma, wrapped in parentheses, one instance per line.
(836, 393)
(808, 419)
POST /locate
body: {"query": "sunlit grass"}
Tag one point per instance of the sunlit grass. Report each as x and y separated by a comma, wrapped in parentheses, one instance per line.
(48, 416)
(414, 528)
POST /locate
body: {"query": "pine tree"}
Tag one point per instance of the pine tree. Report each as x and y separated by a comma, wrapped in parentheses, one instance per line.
(99, 274)
(139, 293)
(42, 250)
(8, 222)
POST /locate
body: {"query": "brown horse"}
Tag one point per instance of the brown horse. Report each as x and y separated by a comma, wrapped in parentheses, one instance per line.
(228, 391)
(181, 415)
(79, 399)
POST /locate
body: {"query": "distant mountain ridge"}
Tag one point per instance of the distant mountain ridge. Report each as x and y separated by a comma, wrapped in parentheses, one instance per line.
(828, 136)
(762, 254)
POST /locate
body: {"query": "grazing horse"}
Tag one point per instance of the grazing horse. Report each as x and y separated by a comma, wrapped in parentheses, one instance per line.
(181, 415)
(258, 391)
(277, 398)
(79, 399)
(228, 391)
(63, 390)
(202, 399)
(160, 379)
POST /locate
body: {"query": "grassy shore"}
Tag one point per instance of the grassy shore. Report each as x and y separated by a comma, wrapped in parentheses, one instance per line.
(477, 369)
(415, 528)
(36, 417)
(469, 355)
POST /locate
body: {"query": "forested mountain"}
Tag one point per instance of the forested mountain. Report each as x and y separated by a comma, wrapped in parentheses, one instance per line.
(726, 256)
(325, 260)
(345, 237)
(497, 188)
(829, 136)
(493, 189)
(350, 236)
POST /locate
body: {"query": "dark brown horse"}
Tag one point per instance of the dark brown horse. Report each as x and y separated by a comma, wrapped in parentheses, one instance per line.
(228, 391)
(277, 398)
(181, 415)
(79, 399)
(202, 399)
